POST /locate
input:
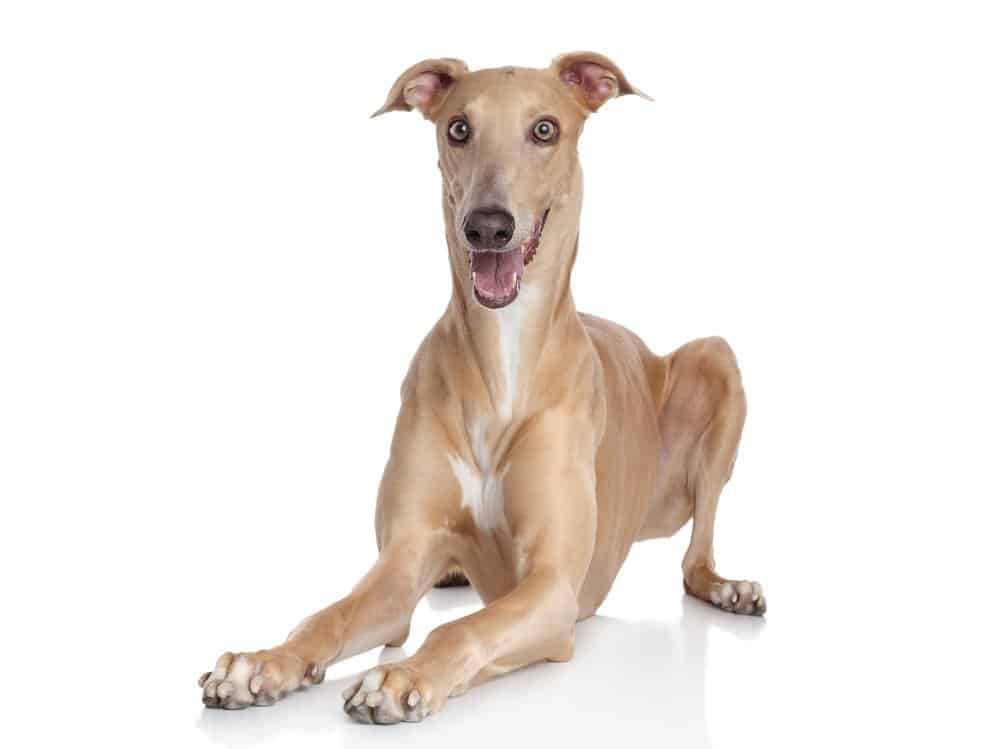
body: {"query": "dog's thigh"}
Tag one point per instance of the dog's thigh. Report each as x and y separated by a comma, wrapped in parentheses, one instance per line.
(701, 421)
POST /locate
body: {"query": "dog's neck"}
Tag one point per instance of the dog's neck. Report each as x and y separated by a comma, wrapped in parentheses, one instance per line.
(507, 344)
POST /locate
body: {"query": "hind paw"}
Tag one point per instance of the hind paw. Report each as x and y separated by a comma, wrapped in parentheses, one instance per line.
(738, 597)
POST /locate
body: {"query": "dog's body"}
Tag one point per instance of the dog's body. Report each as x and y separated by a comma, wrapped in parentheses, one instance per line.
(534, 445)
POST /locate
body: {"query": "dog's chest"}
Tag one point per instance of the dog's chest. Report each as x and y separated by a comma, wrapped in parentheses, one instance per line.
(480, 475)
(480, 469)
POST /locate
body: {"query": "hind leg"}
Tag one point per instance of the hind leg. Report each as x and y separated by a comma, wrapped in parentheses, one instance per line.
(702, 410)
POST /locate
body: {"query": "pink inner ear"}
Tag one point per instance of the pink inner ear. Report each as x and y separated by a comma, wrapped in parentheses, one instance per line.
(420, 91)
(596, 83)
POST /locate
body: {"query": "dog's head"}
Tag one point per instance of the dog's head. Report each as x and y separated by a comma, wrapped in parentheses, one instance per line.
(507, 142)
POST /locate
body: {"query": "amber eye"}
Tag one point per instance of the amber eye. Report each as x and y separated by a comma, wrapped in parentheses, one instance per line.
(545, 131)
(459, 130)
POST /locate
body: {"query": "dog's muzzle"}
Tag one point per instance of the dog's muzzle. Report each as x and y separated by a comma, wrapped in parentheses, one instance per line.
(496, 276)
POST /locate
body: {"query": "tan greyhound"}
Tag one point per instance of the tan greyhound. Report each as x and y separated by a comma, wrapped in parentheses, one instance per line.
(534, 444)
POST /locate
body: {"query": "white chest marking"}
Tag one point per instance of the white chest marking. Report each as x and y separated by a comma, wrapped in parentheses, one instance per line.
(510, 322)
(482, 482)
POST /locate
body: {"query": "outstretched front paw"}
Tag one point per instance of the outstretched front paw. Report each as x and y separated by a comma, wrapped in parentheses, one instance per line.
(389, 694)
(262, 678)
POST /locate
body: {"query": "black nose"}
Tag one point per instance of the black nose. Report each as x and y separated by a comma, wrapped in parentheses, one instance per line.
(489, 228)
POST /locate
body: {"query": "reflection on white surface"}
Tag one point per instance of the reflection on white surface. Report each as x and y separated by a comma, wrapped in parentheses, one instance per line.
(636, 678)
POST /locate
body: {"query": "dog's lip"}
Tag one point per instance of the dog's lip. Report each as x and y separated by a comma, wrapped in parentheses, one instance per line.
(536, 237)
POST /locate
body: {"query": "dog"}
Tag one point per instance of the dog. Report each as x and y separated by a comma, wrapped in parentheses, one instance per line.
(534, 444)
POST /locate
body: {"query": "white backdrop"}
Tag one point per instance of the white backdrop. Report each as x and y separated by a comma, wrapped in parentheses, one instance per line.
(214, 269)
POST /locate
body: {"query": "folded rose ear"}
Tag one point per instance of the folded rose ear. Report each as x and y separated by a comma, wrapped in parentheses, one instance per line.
(593, 78)
(423, 86)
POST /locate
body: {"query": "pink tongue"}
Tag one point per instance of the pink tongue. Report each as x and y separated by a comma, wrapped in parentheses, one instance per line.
(497, 272)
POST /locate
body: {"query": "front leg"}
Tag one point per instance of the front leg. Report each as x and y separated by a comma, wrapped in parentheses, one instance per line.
(414, 555)
(551, 508)
(375, 613)
(534, 622)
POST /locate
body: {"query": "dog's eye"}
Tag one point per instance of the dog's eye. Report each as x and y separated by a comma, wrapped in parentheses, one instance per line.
(458, 131)
(545, 131)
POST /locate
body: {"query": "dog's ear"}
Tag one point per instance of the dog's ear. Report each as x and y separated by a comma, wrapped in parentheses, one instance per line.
(423, 86)
(592, 78)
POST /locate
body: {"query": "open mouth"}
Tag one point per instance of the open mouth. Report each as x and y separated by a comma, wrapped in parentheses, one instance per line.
(496, 276)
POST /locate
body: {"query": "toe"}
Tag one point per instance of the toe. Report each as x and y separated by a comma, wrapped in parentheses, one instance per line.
(757, 597)
(386, 714)
(315, 674)
(225, 690)
(750, 599)
(373, 680)
(208, 694)
(362, 713)
(744, 603)
(417, 706)
(348, 693)
(210, 682)
(728, 597)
